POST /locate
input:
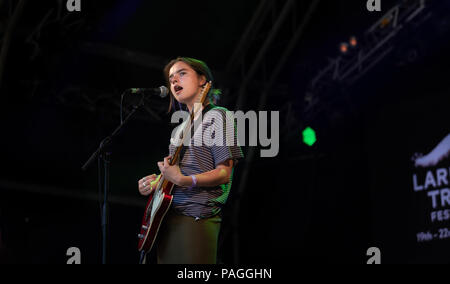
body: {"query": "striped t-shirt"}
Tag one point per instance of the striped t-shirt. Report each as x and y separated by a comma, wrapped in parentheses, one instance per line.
(214, 142)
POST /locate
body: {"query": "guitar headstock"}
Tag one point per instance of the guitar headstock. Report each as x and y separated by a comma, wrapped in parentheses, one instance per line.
(205, 91)
(203, 94)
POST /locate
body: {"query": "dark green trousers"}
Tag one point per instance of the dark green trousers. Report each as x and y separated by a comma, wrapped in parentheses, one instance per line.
(183, 240)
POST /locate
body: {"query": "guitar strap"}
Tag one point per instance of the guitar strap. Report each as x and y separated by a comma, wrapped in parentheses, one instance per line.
(207, 108)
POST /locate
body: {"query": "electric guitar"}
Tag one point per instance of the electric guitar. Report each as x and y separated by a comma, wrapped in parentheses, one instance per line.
(160, 199)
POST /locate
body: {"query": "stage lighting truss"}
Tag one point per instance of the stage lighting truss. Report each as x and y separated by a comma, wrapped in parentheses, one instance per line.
(262, 52)
(377, 43)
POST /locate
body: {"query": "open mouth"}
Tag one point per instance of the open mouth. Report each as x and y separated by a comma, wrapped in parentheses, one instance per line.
(177, 89)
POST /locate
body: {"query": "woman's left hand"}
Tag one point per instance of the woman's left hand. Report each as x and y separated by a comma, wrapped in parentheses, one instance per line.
(171, 173)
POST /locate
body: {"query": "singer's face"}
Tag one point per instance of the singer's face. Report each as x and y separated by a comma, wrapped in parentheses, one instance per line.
(185, 83)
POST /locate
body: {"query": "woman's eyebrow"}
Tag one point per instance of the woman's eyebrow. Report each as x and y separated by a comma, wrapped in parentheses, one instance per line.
(183, 69)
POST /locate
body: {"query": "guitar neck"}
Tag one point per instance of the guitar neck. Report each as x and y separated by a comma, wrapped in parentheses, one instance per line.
(187, 127)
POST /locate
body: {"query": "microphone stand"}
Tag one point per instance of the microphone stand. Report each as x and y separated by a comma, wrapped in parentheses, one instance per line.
(103, 155)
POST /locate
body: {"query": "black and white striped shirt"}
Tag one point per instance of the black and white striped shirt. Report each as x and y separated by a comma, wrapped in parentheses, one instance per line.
(212, 144)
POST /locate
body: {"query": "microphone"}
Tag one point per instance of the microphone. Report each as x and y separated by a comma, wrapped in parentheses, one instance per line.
(161, 91)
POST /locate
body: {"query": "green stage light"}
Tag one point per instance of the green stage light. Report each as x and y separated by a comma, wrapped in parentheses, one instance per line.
(309, 136)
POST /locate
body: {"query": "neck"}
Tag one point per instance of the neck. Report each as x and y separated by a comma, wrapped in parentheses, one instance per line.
(190, 106)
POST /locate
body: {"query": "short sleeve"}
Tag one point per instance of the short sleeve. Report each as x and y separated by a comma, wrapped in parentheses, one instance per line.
(221, 136)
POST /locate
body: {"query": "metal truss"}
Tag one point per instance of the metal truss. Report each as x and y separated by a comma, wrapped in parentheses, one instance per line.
(67, 193)
(265, 45)
(11, 23)
(259, 57)
(378, 42)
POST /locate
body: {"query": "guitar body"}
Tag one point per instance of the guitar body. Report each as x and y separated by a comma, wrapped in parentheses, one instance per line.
(158, 204)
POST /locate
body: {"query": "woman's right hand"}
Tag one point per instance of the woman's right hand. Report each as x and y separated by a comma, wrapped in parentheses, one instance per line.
(147, 184)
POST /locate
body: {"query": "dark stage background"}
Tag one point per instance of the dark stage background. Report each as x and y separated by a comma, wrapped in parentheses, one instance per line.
(62, 74)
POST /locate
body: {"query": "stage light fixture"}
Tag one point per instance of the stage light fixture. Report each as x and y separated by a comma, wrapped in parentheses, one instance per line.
(353, 41)
(343, 47)
(386, 21)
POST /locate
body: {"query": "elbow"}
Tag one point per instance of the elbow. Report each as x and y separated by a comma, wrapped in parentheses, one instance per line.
(226, 180)
(225, 176)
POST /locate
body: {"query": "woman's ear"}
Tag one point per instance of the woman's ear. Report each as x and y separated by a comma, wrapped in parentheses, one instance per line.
(202, 80)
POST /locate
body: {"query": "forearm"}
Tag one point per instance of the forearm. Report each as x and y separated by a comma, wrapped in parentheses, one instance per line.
(207, 179)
